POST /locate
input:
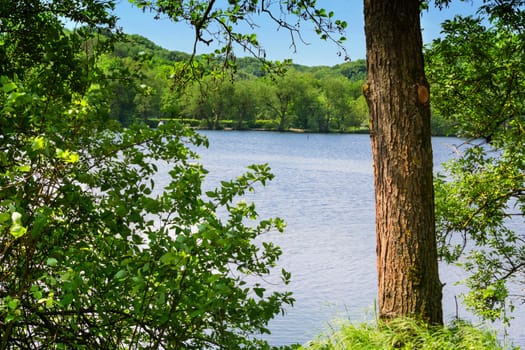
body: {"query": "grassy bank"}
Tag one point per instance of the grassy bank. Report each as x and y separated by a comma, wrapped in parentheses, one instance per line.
(408, 335)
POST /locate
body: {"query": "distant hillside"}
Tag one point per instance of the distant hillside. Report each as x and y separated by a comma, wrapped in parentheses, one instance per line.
(310, 98)
(133, 44)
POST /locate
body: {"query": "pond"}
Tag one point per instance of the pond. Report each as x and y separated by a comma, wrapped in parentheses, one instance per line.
(323, 189)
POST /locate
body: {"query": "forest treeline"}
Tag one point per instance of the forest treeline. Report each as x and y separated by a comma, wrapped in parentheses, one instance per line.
(314, 99)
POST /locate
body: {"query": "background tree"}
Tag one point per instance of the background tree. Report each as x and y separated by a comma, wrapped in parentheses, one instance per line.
(354, 70)
(170, 100)
(477, 75)
(210, 99)
(358, 114)
(153, 82)
(282, 92)
(337, 92)
(308, 107)
(246, 103)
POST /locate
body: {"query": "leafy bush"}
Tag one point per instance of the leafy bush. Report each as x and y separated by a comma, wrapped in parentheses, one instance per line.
(408, 335)
(97, 255)
(94, 253)
(266, 124)
(227, 123)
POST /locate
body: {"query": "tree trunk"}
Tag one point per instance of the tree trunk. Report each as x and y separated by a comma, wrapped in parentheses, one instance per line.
(282, 118)
(398, 96)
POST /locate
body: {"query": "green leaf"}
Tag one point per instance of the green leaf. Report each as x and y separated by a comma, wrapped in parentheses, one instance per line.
(36, 292)
(121, 274)
(8, 87)
(259, 291)
(38, 143)
(51, 262)
(66, 300)
(104, 246)
(13, 304)
(17, 230)
(39, 224)
(67, 156)
(4, 217)
(24, 168)
(167, 258)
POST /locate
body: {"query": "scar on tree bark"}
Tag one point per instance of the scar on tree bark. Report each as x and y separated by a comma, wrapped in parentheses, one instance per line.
(423, 95)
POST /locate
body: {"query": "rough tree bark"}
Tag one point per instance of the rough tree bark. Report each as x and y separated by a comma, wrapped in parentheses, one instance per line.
(398, 96)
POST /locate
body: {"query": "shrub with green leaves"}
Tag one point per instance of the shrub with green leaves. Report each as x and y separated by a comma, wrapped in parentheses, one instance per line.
(478, 85)
(94, 252)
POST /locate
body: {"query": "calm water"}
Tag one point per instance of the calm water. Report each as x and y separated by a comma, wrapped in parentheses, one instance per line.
(323, 189)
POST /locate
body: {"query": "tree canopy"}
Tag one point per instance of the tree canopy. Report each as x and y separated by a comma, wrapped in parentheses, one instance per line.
(477, 79)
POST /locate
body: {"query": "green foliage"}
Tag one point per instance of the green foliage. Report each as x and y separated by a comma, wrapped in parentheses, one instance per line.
(406, 334)
(133, 45)
(355, 70)
(94, 252)
(32, 36)
(478, 84)
(442, 126)
(312, 109)
(482, 70)
(294, 100)
(265, 124)
(476, 199)
(209, 99)
(151, 82)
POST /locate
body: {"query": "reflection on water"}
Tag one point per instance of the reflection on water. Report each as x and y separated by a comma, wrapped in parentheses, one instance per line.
(323, 189)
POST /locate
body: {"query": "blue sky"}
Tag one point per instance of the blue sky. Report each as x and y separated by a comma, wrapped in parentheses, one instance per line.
(178, 36)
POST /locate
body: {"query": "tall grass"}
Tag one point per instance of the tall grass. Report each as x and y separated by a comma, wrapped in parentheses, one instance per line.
(408, 335)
